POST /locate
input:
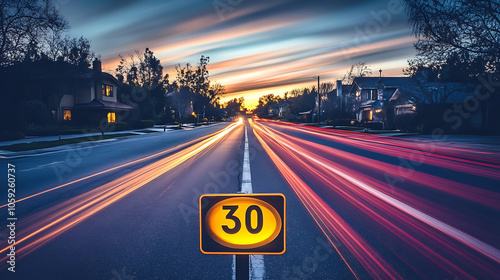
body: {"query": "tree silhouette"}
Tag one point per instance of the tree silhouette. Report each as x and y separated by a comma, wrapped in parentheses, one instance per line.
(359, 69)
(234, 106)
(25, 26)
(467, 28)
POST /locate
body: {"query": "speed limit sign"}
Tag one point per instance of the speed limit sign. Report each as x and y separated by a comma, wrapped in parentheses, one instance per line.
(242, 224)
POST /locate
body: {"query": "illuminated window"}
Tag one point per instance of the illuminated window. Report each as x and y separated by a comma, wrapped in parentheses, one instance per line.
(67, 115)
(372, 94)
(111, 117)
(368, 115)
(107, 90)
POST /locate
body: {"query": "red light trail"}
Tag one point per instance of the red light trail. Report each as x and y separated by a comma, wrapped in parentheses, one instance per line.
(434, 237)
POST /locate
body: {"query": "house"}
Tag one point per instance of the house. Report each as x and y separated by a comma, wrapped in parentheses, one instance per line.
(305, 116)
(283, 109)
(273, 111)
(438, 104)
(371, 96)
(92, 99)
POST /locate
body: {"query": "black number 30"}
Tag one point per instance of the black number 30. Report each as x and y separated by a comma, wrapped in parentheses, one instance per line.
(248, 219)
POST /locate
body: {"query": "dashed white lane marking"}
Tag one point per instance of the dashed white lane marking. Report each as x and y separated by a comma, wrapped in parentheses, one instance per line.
(41, 166)
(246, 177)
(257, 267)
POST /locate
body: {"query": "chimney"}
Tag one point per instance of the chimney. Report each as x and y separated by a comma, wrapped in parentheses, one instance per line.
(339, 88)
(339, 94)
(96, 65)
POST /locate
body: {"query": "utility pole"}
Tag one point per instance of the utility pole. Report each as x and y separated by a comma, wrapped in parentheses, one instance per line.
(319, 103)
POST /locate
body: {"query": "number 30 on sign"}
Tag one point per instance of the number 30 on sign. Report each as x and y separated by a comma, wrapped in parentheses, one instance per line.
(242, 224)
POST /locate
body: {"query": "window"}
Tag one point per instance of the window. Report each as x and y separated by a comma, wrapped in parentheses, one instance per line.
(367, 115)
(111, 117)
(107, 90)
(372, 94)
(67, 115)
(380, 94)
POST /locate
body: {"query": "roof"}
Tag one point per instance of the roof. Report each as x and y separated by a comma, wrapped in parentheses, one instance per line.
(103, 105)
(64, 70)
(91, 74)
(436, 92)
(386, 82)
(376, 104)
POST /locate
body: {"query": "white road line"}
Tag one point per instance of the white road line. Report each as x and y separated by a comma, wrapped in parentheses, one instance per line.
(246, 177)
(257, 267)
(41, 166)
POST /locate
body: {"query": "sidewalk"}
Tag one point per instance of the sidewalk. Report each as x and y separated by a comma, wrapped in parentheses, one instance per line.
(53, 145)
(461, 139)
(32, 139)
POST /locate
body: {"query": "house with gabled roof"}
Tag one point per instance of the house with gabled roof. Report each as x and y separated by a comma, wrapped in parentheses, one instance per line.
(444, 99)
(372, 94)
(92, 99)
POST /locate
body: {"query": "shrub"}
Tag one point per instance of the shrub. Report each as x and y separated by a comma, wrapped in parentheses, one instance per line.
(36, 112)
(190, 119)
(406, 122)
(9, 135)
(42, 130)
(146, 123)
(122, 126)
(204, 120)
(374, 125)
(342, 122)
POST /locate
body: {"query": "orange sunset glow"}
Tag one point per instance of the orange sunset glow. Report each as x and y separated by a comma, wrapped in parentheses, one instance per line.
(256, 47)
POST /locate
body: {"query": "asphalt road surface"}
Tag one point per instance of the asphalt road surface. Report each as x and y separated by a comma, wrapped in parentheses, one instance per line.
(359, 206)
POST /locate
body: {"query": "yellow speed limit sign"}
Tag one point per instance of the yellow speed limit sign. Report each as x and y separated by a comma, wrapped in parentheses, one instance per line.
(242, 224)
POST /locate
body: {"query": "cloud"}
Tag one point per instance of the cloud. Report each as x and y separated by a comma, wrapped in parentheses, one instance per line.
(256, 45)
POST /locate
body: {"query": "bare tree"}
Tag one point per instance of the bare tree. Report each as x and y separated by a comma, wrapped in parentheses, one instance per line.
(444, 27)
(182, 101)
(23, 26)
(359, 69)
(215, 92)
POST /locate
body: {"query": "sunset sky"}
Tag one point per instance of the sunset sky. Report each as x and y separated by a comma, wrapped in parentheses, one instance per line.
(255, 47)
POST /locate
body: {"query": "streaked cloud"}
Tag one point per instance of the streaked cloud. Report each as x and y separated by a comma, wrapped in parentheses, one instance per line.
(255, 47)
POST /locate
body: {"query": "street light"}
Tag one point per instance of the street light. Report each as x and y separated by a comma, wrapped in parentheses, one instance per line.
(319, 103)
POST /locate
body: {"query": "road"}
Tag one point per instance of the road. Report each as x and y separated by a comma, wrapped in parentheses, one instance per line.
(358, 206)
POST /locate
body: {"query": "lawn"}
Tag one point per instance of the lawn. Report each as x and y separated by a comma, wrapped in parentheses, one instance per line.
(49, 144)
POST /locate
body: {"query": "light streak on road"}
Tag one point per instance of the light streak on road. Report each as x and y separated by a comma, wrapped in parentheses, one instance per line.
(59, 218)
(488, 198)
(451, 242)
(334, 227)
(164, 152)
(437, 154)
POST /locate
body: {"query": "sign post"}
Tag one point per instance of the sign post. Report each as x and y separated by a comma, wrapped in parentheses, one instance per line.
(242, 267)
(242, 224)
